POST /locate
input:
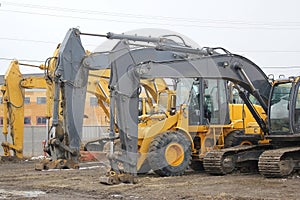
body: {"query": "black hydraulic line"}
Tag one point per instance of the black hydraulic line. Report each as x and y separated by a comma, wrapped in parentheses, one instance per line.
(28, 65)
(256, 93)
(92, 34)
(253, 111)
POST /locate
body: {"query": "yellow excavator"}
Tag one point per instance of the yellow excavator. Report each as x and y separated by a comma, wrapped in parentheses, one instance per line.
(13, 107)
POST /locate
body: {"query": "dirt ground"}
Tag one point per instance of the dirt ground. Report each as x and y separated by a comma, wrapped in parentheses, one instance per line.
(19, 180)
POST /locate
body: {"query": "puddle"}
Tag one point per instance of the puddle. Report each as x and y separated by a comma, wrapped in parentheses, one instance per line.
(4, 194)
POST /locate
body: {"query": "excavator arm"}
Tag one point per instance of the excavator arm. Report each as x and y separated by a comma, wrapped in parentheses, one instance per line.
(13, 112)
(13, 103)
(72, 95)
(165, 59)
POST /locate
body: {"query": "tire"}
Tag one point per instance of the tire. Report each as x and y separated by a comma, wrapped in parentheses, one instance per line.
(232, 139)
(169, 154)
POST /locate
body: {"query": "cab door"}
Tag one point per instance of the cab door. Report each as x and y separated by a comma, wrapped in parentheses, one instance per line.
(216, 107)
(208, 102)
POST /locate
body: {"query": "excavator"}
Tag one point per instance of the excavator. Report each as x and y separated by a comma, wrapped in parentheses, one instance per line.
(13, 107)
(129, 63)
(278, 155)
(284, 133)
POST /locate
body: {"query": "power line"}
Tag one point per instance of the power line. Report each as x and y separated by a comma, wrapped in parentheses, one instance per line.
(118, 14)
(109, 20)
(282, 27)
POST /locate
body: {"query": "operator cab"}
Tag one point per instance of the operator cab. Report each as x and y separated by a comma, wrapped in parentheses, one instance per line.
(207, 100)
(284, 111)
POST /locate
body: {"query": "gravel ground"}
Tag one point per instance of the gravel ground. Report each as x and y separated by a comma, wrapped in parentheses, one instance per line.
(19, 180)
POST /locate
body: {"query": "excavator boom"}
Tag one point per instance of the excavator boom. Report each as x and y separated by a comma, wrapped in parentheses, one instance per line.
(13, 101)
(13, 97)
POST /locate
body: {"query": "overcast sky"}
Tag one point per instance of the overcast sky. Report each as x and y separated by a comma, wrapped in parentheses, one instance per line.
(265, 31)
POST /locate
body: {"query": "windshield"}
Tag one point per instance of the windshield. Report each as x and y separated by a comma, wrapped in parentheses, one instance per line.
(279, 111)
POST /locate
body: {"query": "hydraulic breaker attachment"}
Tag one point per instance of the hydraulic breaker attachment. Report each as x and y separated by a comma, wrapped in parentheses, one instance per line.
(47, 164)
(113, 178)
(70, 162)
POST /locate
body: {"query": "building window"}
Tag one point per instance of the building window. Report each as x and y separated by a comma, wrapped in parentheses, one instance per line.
(41, 100)
(93, 101)
(41, 120)
(27, 120)
(27, 100)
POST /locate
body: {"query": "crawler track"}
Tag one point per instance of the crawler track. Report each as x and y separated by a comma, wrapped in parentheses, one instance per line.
(278, 163)
(224, 161)
(213, 162)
